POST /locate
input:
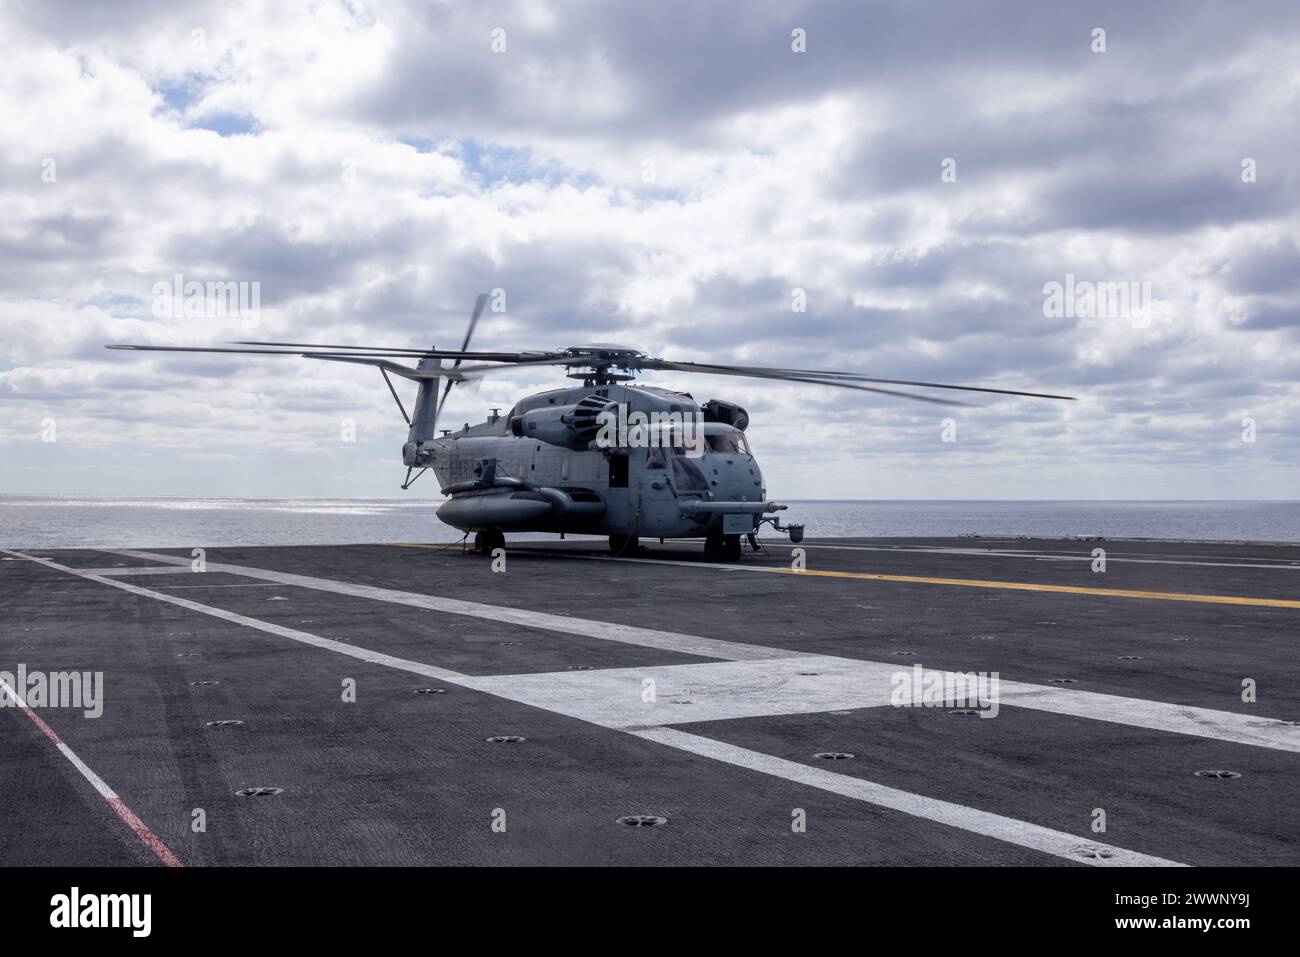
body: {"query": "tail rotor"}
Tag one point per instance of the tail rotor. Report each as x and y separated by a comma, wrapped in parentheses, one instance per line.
(479, 304)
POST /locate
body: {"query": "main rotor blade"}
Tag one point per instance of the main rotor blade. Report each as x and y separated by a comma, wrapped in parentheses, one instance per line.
(843, 380)
(470, 372)
(406, 372)
(368, 358)
(305, 349)
(933, 400)
(781, 376)
(853, 377)
(406, 353)
(255, 352)
(814, 375)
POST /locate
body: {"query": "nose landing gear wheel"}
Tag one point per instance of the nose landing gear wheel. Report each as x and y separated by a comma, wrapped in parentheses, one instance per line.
(485, 542)
(731, 548)
(722, 548)
(623, 544)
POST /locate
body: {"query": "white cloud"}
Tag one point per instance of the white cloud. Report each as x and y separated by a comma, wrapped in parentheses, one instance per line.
(394, 166)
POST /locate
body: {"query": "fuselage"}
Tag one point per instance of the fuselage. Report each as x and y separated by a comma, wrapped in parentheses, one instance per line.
(646, 487)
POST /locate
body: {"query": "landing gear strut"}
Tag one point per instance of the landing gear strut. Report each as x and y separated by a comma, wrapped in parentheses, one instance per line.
(722, 548)
(485, 542)
(713, 548)
(621, 545)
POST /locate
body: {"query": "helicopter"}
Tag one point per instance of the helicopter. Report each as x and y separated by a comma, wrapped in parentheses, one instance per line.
(609, 456)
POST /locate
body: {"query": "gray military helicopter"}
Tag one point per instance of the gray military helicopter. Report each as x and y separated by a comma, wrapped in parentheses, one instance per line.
(603, 458)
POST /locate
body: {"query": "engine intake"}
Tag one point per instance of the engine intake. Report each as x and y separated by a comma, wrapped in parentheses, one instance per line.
(728, 413)
(568, 426)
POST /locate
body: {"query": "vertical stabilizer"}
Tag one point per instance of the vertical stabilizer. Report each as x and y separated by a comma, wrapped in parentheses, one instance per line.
(424, 422)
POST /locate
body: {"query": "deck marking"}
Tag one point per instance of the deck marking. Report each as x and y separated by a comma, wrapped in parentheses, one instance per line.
(373, 657)
(1135, 712)
(814, 683)
(605, 630)
(693, 693)
(964, 582)
(1058, 589)
(957, 816)
(1111, 557)
(132, 570)
(1010, 830)
(128, 817)
(227, 585)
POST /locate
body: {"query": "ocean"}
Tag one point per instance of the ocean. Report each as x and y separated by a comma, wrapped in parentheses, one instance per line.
(28, 521)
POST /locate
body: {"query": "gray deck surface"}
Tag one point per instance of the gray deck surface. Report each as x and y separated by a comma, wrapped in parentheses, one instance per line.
(661, 686)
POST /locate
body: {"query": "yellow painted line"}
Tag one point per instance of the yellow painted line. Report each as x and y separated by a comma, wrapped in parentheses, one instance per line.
(979, 583)
(1061, 589)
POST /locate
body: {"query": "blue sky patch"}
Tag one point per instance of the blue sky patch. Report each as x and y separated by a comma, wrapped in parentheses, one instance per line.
(494, 165)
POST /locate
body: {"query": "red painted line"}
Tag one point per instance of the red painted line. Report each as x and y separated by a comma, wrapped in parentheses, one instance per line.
(128, 817)
(49, 732)
(150, 839)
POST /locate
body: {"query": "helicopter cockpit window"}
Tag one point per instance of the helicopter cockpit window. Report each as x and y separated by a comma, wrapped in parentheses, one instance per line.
(687, 477)
(655, 458)
(729, 442)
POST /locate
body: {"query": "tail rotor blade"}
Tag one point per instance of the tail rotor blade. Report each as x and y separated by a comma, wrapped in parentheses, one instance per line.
(479, 305)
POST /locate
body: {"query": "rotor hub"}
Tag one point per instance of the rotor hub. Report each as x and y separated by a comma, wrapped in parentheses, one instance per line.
(600, 359)
(604, 352)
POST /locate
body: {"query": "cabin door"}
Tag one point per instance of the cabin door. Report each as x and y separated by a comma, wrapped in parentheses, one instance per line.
(620, 501)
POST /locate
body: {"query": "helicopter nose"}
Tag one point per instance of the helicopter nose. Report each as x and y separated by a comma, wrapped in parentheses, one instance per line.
(734, 477)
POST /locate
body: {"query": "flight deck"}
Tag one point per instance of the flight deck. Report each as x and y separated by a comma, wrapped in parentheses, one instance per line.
(418, 704)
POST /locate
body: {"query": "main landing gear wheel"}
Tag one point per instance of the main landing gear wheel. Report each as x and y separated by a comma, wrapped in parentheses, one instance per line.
(722, 548)
(731, 548)
(485, 542)
(621, 545)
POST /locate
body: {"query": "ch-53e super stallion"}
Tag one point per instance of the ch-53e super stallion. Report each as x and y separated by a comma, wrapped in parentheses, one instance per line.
(605, 457)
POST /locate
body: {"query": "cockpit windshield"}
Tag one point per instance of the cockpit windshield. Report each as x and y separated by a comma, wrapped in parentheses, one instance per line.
(687, 476)
(733, 442)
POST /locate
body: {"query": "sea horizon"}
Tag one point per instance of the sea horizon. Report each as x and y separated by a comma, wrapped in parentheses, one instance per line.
(69, 520)
(403, 498)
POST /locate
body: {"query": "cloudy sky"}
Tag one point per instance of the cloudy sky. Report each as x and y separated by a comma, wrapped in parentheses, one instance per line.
(673, 176)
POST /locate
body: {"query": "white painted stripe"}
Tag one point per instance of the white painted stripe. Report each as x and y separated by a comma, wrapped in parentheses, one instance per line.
(1007, 829)
(132, 570)
(1112, 557)
(685, 694)
(1109, 539)
(106, 792)
(372, 657)
(861, 687)
(718, 566)
(958, 816)
(604, 630)
(1228, 726)
(737, 567)
(119, 807)
(1090, 591)
(715, 691)
(227, 585)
